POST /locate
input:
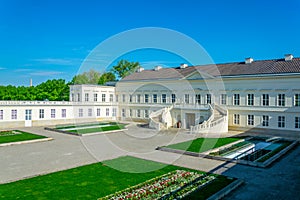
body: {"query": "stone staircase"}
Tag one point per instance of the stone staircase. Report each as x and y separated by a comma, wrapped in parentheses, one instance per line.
(161, 119)
(217, 122)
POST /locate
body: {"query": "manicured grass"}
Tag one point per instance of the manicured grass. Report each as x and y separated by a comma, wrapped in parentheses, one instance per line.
(22, 136)
(84, 125)
(98, 129)
(202, 144)
(86, 182)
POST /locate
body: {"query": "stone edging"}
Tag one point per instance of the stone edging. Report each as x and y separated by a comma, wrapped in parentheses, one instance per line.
(103, 132)
(225, 191)
(86, 134)
(26, 142)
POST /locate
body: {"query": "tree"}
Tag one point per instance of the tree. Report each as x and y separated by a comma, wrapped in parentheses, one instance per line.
(90, 77)
(106, 77)
(124, 68)
(53, 90)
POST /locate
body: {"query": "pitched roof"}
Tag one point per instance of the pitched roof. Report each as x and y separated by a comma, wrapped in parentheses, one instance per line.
(275, 66)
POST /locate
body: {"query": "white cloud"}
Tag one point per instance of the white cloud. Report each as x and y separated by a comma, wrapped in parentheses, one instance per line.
(151, 64)
(58, 61)
(45, 73)
(23, 70)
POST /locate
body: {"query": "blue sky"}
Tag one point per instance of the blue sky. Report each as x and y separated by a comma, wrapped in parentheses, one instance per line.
(49, 39)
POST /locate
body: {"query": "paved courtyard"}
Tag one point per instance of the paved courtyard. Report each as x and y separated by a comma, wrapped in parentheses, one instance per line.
(280, 181)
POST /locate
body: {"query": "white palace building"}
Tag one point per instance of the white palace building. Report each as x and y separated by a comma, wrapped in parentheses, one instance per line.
(245, 95)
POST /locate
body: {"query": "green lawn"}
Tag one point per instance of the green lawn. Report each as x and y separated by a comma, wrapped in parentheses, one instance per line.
(98, 129)
(84, 125)
(5, 138)
(200, 145)
(87, 182)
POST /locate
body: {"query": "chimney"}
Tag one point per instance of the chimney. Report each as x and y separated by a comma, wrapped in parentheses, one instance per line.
(183, 66)
(248, 60)
(156, 68)
(288, 57)
(140, 69)
(30, 83)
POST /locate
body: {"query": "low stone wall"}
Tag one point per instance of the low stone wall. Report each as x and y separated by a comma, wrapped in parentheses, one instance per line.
(225, 191)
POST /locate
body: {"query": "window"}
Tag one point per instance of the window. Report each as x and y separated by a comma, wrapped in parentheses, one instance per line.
(250, 120)
(281, 121)
(236, 99)
(123, 98)
(146, 113)
(146, 99)
(130, 98)
(164, 98)
(28, 114)
(186, 98)
(250, 98)
(95, 97)
(138, 98)
(297, 100)
(223, 99)
(173, 98)
(281, 99)
(117, 98)
(1, 114)
(107, 112)
(130, 112)
(208, 98)
(198, 99)
(86, 97)
(123, 113)
(42, 113)
(297, 122)
(265, 120)
(13, 114)
(138, 114)
(52, 113)
(98, 112)
(265, 99)
(90, 112)
(63, 113)
(78, 97)
(114, 112)
(154, 98)
(80, 112)
(236, 119)
(72, 97)
(103, 97)
(111, 98)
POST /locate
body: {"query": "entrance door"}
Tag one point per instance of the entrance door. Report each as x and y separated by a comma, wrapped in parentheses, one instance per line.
(28, 122)
(190, 120)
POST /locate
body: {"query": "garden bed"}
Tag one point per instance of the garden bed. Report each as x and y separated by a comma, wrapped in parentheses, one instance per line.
(10, 136)
(89, 128)
(174, 185)
(100, 180)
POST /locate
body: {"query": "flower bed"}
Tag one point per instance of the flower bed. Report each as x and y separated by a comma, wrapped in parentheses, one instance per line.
(8, 133)
(174, 185)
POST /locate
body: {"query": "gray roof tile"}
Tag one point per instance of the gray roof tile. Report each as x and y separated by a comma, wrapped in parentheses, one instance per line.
(275, 66)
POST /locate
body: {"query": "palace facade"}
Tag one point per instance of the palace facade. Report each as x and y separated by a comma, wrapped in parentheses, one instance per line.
(207, 98)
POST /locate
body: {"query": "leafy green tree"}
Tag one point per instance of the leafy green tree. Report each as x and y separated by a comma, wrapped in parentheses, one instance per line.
(54, 90)
(106, 77)
(90, 77)
(124, 68)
